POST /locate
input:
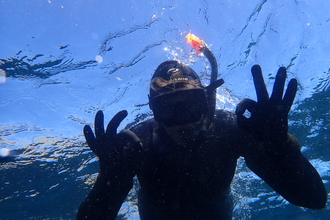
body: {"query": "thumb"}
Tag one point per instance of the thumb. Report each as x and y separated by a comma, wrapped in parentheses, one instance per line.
(246, 104)
(131, 137)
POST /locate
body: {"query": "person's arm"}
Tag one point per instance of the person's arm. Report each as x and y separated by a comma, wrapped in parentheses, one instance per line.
(288, 172)
(116, 170)
(276, 156)
(106, 197)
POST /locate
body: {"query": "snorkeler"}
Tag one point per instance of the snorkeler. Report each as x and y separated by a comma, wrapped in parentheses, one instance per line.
(185, 157)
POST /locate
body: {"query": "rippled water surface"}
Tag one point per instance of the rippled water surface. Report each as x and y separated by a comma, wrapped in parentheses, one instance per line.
(62, 61)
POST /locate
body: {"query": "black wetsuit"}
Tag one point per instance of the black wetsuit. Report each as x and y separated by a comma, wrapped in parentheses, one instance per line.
(192, 181)
(188, 181)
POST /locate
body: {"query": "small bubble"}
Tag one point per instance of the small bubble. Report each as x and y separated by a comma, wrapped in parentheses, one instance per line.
(4, 152)
(2, 76)
(98, 58)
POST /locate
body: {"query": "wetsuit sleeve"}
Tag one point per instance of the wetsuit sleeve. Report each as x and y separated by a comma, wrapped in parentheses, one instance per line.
(283, 167)
(106, 197)
(114, 181)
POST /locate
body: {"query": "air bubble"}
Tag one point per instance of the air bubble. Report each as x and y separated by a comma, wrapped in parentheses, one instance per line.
(4, 152)
(99, 59)
(2, 76)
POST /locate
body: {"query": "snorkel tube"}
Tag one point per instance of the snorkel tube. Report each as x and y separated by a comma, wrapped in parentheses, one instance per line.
(211, 89)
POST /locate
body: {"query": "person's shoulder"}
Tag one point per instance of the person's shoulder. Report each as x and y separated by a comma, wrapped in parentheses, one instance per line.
(144, 127)
(225, 123)
(224, 117)
(225, 128)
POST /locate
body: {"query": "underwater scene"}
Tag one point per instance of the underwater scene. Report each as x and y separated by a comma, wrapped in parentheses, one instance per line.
(62, 61)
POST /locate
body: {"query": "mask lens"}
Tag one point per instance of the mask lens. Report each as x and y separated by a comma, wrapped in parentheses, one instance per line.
(180, 108)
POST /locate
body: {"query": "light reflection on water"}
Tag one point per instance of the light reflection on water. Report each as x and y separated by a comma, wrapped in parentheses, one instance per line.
(49, 92)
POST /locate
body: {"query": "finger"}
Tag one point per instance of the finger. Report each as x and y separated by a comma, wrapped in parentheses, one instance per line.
(114, 123)
(290, 93)
(279, 84)
(130, 136)
(99, 124)
(246, 104)
(89, 136)
(259, 83)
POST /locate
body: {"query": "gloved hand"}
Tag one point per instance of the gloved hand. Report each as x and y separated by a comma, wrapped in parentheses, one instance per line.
(109, 145)
(269, 116)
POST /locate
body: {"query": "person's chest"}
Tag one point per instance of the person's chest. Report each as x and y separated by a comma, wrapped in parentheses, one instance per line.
(198, 168)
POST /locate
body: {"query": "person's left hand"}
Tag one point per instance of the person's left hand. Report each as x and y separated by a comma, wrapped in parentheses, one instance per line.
(107, 144)
(269, 116)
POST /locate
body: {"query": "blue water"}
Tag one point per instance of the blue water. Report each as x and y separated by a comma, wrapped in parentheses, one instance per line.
(65, 60)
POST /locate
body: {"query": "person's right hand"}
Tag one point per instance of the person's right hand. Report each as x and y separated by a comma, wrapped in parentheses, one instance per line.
(108, 145)
(269, 115)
